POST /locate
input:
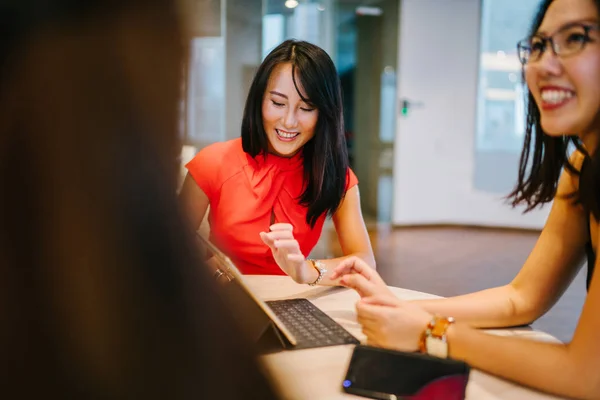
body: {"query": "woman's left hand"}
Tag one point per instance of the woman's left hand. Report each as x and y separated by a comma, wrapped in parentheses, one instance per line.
(392, 323)
(287, 254)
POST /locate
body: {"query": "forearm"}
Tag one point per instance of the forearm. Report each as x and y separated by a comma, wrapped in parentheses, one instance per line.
(490, 308)
(332, 263)
(545, 366)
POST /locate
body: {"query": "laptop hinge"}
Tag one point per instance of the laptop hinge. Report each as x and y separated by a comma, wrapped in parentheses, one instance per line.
(272, 341)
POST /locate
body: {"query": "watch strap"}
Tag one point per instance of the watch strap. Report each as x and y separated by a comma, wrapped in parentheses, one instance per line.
(320, 267)
(434, 340)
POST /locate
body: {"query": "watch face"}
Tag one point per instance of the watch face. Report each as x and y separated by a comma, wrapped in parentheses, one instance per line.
(436, 347)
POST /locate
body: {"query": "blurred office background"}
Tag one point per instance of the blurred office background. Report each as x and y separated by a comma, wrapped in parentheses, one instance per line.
(434, 112)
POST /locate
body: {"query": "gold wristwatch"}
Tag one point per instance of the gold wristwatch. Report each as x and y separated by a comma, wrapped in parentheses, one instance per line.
(433, 340)
(320, 267)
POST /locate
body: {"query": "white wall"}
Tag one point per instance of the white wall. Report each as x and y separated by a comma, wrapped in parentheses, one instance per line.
(435, 145)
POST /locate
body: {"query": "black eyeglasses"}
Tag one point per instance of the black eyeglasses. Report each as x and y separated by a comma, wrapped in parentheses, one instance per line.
(569, 40)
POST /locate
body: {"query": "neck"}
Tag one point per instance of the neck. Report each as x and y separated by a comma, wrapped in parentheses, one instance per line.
(273, 152)
(590, 142)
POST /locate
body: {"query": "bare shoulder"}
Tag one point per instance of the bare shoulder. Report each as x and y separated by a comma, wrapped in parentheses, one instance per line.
(568, 215)
(569, 181)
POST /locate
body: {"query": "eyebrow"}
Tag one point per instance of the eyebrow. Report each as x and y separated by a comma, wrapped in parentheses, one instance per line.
(278, 94)
(570, 25)
(285, 97)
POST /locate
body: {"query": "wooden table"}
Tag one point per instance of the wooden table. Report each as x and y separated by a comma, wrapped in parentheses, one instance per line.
(315, 374)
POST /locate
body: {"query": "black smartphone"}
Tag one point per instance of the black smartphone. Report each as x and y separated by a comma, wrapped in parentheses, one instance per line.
(386, 374)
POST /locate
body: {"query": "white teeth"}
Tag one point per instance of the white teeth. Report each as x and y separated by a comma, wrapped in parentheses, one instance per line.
(556, 96)
(287, 135)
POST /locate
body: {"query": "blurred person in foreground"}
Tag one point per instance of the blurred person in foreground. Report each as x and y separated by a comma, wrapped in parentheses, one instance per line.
(101, 292)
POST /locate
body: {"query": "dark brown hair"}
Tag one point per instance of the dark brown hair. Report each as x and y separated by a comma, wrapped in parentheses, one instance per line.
(102, 292)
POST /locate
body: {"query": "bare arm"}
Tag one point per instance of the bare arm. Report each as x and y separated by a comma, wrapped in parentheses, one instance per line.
(194, 201)
(564, 369)
(352, 234)
(567, 370)
(546, 274)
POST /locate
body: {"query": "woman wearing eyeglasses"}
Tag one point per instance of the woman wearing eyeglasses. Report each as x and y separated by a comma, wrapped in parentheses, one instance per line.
(561, 60)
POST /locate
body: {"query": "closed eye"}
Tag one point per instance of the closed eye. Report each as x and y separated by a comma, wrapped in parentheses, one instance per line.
(307, 109)
(276, 104)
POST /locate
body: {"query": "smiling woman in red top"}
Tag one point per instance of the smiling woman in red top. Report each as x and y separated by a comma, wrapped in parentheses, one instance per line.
(270, 191)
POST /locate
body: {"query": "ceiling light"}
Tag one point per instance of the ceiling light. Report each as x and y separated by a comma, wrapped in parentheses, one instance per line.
(291, 3)
(369, 11)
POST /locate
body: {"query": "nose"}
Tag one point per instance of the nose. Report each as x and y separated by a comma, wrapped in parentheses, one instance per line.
(289, 119)
(549, 63)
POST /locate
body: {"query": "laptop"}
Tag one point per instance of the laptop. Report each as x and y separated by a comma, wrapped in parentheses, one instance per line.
(279, 324)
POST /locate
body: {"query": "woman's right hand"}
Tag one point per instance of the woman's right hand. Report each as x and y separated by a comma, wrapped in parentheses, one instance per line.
(360, 276)
(392, 323)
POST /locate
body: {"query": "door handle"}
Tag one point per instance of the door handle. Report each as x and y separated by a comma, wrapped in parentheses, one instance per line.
(406, 105)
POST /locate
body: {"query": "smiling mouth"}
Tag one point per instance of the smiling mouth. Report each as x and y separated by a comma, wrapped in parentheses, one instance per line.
(554, 98)
(286, 136)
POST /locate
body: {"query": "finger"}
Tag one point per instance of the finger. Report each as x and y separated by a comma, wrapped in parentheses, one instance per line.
(370, 312)
(367, 316)
(340, 271)
(381, 300)
(366, 320)
(371, 335)
(356, 265)
(290, 245)
(267, 240)
(274, 235)
(360, 284)
(281, 226)
(346, 265)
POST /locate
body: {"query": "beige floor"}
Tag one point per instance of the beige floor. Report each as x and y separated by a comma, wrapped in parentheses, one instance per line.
(452, 261)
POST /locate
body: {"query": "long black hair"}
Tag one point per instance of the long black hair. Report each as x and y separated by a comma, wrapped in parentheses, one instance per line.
(537, 183)
(325, 155)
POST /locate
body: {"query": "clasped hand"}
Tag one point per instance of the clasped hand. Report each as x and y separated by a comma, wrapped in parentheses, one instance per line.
(287, 254)
(386, 320)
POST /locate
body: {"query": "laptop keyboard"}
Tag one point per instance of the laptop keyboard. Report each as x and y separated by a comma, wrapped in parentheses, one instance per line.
(311, 326)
